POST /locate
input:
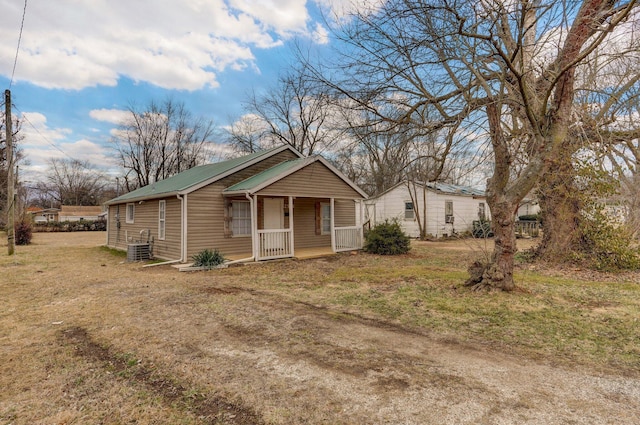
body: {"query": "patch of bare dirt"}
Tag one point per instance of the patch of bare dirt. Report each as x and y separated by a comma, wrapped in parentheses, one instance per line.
(210, 348)
(210, 409)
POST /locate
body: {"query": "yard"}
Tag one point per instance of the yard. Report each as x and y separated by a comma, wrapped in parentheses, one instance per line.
(86, 338)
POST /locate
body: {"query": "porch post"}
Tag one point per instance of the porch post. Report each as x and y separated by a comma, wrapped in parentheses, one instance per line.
(255, 240)
(361, 225)
(293, 248)
(333, 232)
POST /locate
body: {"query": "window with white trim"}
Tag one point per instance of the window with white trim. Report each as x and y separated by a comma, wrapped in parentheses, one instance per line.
(131, 211)
(162, 206)
(241, 218)
(448, 211)
(409, 213)
(325, 218)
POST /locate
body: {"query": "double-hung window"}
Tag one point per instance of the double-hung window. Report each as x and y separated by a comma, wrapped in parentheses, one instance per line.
(409, 213)
(241, 218)
(448, 211)
(162, 205)
(325, 217)
(131, 211)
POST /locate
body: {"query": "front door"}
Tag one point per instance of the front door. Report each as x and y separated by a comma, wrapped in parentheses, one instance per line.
(273, 213)
(273, 220)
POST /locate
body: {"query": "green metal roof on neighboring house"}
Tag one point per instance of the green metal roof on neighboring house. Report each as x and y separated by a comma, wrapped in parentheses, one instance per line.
(183, 181)
(248, 185)
(455, 189)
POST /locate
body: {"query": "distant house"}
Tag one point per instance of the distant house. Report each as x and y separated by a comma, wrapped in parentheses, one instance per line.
(66, 213)
(77, 213)
(43, 215)
(270, 204)
(443, 209)
(528, 206)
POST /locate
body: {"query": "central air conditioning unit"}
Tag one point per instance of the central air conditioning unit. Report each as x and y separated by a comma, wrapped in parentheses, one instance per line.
(138, 252)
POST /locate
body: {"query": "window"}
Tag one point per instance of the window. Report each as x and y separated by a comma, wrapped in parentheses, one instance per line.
(481, 212)
(409, 214)
(325, 218)
(161, 219)
(131, 210)
(448, 211)
(241, 218)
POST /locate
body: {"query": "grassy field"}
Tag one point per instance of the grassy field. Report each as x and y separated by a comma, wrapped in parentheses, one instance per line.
(87, 338)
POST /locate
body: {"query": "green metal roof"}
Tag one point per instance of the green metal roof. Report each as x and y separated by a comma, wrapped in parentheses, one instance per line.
(191, 177)
(265, 176)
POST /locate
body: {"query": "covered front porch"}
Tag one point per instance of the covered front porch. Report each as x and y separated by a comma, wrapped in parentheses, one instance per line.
(288, 226)
(298, 204)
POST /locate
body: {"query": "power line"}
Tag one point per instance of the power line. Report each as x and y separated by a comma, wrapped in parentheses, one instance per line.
(24, 117)
(15, 61)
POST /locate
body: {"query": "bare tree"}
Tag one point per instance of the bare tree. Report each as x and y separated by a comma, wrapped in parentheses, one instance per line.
(72, 182)
(603, 126)
(505, 69)
(159, 141)
(293, 112)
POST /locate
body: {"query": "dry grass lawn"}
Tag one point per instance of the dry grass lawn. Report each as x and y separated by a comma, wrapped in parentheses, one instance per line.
(86, 338)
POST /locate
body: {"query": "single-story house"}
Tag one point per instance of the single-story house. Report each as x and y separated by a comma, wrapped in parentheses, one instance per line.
(43, 215)
(443, 209)
(270, 204)
(78, 213)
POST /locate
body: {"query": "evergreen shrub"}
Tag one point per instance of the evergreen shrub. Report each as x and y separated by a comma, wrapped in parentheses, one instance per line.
(387, 238)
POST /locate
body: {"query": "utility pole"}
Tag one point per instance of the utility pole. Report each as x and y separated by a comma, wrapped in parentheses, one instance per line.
(11, 197)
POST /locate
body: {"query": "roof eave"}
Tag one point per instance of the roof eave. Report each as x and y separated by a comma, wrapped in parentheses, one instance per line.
(143, 198)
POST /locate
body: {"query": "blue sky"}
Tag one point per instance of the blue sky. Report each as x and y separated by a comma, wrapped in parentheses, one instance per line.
(81, 63)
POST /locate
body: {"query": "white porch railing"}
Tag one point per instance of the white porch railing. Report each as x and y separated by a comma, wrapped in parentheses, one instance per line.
(274, 243)
(348, 238)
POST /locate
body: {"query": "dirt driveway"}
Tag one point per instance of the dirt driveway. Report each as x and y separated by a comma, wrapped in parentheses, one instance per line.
(88, 339)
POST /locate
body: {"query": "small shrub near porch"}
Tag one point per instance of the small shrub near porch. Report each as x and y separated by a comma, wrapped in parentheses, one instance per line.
(387, 238)
(208, 259)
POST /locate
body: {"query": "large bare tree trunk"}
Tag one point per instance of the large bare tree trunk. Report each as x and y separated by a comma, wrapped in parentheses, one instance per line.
(560, 204)
(498, 273)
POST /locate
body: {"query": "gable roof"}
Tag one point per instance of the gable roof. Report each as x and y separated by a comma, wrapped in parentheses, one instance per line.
(261, 180)
(196, 177)
(439, 187)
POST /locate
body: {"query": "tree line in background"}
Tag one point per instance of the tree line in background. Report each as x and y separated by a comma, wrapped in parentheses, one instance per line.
(537, 97)
(540, 95)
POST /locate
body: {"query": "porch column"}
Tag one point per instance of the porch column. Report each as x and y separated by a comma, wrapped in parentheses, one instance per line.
(333, 232)
(361, 224)
(255, 240)
(293, 248)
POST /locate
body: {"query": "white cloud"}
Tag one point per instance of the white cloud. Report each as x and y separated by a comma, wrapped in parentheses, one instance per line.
(112, 116)
(40, 144)
(72, 44)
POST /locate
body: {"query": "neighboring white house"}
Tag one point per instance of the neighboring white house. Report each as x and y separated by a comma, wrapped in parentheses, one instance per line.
(445, 209)
(528, 206)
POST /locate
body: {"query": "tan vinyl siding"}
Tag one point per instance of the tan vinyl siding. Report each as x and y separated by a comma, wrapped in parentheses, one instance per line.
(304, 224)
(256, 168)
(205, 223)
(146, 218)
(205, 227)
(314, 180)
(169, 248)
(345, 213)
